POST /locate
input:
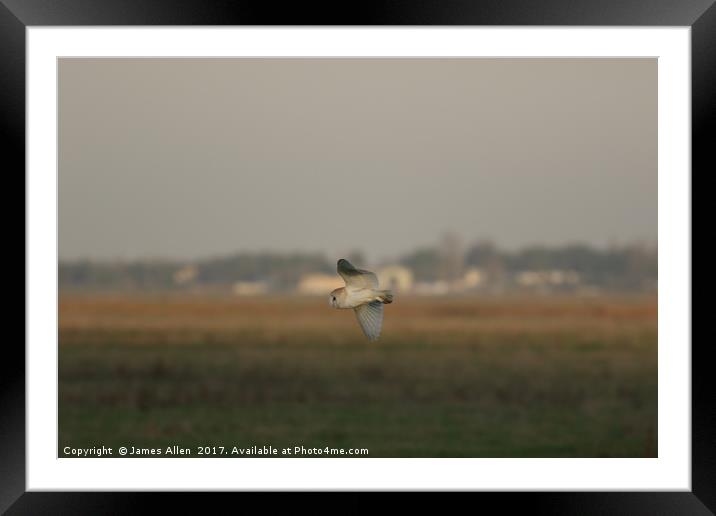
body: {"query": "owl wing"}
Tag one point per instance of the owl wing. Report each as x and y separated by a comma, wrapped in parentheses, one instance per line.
(370, 318)
(356, 278)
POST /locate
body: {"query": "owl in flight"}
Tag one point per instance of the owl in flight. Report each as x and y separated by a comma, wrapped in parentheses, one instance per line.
(361, 293)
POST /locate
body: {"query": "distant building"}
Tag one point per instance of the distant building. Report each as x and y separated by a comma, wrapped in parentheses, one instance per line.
(452, 258)
(185, 275)
(318, 284)
(473, 278)
(395, 277)
(249, 288)
(547, 278)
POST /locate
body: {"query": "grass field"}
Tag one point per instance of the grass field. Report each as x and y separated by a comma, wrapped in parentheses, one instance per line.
(457, 377)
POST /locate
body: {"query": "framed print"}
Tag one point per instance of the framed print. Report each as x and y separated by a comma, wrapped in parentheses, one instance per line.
(440, 249)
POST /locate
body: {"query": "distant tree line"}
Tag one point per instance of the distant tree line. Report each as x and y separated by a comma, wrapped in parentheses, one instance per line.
(633, 266)
(138, 275)
(276, 269)
(280, 270)
(628, 267)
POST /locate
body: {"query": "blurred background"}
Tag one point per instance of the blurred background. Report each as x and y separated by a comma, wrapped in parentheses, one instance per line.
(509, 203)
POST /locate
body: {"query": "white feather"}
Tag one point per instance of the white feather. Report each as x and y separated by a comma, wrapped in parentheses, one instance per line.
(370, 318)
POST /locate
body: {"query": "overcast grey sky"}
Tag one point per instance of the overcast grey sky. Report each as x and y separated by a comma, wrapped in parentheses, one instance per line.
(186, 158)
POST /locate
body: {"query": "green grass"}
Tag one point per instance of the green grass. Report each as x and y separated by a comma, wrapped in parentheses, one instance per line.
(563, 392)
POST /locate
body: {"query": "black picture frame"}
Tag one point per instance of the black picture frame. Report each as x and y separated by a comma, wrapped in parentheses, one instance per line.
(17, 15)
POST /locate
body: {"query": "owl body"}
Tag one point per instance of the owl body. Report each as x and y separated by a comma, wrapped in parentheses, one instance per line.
(362, 294)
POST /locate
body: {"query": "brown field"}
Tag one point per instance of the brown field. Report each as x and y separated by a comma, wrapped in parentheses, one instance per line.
(458, 377)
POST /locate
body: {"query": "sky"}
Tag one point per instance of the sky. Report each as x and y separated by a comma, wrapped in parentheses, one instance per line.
(192, 158)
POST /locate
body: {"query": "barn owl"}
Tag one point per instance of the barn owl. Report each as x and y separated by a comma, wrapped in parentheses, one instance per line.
(361, 293)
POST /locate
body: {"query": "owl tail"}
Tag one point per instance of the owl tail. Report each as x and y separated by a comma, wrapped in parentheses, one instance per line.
(386, 297)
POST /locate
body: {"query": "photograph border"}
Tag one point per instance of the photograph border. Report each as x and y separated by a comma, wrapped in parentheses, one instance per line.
(700, 16)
